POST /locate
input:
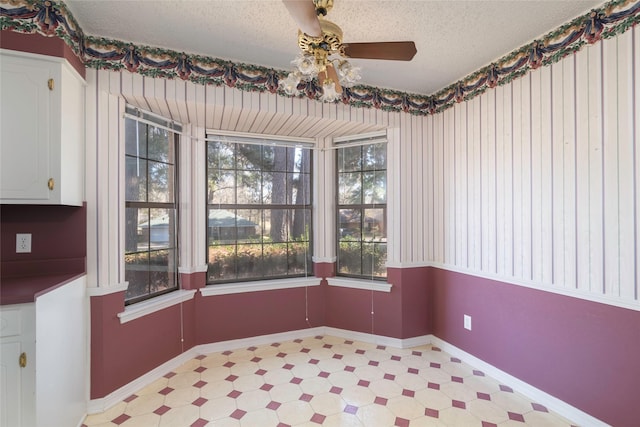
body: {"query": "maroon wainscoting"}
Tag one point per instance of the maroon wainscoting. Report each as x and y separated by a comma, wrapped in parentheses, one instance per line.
(584, 353)
(234, 316)
(402, 313)
(37, 43)
(58, 239)
(120, 353)
(193, 280)
(324, 269)
(416, 300)
(350, 309)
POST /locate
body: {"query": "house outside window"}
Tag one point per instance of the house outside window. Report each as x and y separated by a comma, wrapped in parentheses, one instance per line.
(151, 237)
(362, 210)
(259, 205)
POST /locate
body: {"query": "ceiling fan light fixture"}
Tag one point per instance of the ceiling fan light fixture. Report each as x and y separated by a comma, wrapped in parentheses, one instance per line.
(347, 73)
(306, 65)
(323, 55)
(290, 84)
(329, 91)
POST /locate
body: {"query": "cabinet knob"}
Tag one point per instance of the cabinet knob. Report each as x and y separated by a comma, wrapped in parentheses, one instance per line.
(51, 184)
(50, 83)
(23, 360)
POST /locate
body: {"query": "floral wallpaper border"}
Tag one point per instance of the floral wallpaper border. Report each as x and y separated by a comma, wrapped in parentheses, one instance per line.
(53, 19)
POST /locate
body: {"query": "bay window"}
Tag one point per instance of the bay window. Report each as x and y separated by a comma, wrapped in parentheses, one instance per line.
(259, 223)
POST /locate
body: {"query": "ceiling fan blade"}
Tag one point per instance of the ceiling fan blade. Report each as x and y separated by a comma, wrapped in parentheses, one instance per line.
(304, 13)
(398, 51)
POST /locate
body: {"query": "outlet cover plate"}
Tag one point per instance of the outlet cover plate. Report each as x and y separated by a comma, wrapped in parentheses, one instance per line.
(23, 243)
(467, 322)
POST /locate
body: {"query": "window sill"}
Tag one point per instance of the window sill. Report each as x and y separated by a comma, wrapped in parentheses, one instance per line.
(144, 308)
(368, 285)
(263, 285)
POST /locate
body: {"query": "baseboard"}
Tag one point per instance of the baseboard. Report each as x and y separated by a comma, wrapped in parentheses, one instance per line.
(552, 403)
(378, 339)
(259, 340)
(102, 404)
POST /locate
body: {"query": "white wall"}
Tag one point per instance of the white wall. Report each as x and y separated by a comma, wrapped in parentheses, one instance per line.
(536, 182)
(533, 183)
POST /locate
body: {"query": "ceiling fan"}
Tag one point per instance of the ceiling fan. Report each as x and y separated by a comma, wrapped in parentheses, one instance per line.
(324, 55)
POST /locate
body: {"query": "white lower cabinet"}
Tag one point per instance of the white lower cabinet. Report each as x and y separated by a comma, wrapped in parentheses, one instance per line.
(17, 365)
(48, 337)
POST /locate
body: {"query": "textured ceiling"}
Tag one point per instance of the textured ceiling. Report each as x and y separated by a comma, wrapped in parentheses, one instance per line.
(454, 38)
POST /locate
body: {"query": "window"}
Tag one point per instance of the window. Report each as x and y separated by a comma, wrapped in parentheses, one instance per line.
(258, 210)
(150, 207)
(362, 211)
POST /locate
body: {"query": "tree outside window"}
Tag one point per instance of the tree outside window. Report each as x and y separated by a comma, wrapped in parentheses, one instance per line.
(150, 211)
(362, 211)
(259, 211)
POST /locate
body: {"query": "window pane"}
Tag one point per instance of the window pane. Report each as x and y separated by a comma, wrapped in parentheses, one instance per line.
(350, 188)
(249, 157)
(222, 226)
(283, 159)
(160, 145)
(249, 260)
(349, 257)
(374, 225)
(135, 181)
(248, 187)
(349, 159)
(350, 224)
(362, 235)
(275, 260)
(135, 138)
(136, 234)
(298, 189)
(150, 232)
(299, 258)
(136, 272)
(269, 240)
(162, 270)
(375, 187)
(275, 188)
(300, 225)
(276, 225)
(160, 182)
(161, 228)
(375, 157)
(374, 256)
(220, 155)
(222, 188)
(248, 225)
(222, 262)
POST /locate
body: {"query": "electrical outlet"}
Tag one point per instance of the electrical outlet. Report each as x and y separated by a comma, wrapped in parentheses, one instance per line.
(467, 322)
(23, 243)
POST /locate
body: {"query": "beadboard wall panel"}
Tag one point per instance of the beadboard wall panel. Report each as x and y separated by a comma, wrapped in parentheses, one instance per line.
(535, 182)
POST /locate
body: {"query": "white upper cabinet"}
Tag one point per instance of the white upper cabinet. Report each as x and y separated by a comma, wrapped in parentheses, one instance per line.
(41, 130)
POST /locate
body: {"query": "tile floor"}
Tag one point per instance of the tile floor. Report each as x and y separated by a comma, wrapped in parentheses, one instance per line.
(326, 381)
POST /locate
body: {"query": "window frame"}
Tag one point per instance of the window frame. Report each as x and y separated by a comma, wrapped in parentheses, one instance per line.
(361, 142)
(307, 207)
(151, 120)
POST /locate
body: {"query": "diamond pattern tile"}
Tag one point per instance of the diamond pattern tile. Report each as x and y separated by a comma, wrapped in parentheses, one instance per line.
(162, 410)
(199, 401)
(326, 381)
(120, 419)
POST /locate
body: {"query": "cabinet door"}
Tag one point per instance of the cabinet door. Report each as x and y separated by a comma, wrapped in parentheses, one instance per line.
(10, 384)
(25, 117)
